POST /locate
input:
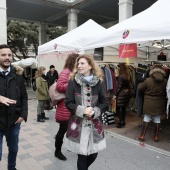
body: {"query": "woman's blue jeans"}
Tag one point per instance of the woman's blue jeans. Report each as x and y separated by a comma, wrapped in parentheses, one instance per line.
(12, 142)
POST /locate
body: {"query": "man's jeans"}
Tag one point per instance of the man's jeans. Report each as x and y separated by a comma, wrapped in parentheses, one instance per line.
(12, 143)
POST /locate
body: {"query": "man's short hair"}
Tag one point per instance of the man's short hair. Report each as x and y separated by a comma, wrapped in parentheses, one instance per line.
(52, 66)
(4, 46)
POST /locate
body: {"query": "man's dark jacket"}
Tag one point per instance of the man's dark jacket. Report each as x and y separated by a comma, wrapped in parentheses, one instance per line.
(52, 77)
(12, 86)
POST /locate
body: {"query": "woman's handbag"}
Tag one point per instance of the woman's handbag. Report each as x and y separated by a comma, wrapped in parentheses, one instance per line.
(55, 95)
(48, 105)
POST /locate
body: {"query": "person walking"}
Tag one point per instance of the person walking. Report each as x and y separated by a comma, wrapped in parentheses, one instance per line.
(62, 113)
(13, 104)
(41, 93)
(52, 75)
(86, 100)
(154, 89)
(122, 94)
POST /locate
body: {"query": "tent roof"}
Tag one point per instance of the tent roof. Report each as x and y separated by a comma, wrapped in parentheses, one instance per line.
(72, 40)
(29, 62)
(151, 24)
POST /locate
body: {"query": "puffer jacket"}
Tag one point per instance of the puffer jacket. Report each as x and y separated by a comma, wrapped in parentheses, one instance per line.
(42, 89)
(154, 89)
(123, 92)
(12, 86)
(62, 113)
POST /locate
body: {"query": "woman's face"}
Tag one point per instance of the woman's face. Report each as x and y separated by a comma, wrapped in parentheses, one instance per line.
(83, 67)
(43, 72)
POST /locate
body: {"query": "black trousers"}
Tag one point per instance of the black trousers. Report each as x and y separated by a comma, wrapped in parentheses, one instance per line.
(121, 112)
(83, 161)
(60, 135)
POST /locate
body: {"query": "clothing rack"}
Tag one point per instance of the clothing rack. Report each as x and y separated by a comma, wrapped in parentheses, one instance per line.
(108, 62)
(156, 61)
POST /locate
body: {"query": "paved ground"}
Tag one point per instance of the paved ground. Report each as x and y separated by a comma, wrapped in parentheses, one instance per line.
(36, 148)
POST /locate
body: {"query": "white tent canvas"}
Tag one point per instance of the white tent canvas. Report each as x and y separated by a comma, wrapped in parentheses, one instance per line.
(73, 40)
(29, 62)
(151, 24)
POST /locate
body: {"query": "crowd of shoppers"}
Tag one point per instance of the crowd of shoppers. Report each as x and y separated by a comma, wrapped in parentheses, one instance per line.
(79, 113)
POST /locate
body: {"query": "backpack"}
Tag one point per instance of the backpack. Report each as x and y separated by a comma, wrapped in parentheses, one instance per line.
(55, 95)
(34, 85)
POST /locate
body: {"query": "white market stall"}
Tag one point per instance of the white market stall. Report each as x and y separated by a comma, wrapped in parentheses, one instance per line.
(55, 51)
(143, 28)
(28, 64)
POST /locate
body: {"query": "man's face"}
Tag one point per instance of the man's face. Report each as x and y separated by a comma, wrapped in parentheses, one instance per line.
(52, 70)
(5, 58)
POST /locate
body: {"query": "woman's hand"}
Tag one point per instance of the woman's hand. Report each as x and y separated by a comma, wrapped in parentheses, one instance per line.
(89, 111)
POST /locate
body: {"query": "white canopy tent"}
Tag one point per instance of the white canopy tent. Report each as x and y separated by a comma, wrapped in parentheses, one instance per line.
(29, 62)
(145, 27)
(73, 40)
(56, 51)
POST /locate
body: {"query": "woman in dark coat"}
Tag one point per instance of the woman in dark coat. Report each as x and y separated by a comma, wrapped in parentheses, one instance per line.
(123, 94)
(154, 89)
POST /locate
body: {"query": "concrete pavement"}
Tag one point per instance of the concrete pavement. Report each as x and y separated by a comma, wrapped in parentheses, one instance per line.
(36, 149)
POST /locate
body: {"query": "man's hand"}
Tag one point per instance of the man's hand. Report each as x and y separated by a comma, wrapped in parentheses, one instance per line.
(20, 119)
(7, 101)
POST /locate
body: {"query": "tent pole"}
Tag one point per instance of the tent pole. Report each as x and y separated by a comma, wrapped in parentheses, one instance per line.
(147, 53)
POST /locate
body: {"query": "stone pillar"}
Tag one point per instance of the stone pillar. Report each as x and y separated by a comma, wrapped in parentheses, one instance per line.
(72, 19)
(125, 9)
(42, 33)
(3, 22)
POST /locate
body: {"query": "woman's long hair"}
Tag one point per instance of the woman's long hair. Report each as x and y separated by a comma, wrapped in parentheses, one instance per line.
(70, 61)
(40, 71)
(95, 68)
(123, 72)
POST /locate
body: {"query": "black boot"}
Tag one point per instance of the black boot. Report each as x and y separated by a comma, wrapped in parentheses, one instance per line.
(39, 119)
(143, 132)
(60, 156)
(156, 132)
(120, 125)
(44, 117)
(58, 153)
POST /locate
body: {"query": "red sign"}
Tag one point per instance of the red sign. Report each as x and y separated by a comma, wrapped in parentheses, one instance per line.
(128, 50)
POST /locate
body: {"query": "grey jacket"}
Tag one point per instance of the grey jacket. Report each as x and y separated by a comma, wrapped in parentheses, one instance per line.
(85, 135)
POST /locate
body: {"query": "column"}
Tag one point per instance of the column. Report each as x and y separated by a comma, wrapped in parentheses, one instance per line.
(3, 22)
(125, 9)
(42, 33)
(72, 19)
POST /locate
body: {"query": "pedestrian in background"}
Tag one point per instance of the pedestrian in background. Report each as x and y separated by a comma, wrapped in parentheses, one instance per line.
(122, 94)
(86, 100)
(62, 113)
(42, 94)
(52, 75)
(154, 89)
(13, 104)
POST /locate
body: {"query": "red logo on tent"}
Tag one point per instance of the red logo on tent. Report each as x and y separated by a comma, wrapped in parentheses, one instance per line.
(55, 46)
(125, 34)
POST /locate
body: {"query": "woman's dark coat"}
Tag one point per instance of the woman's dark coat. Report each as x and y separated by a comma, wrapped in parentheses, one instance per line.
(123, 93)
(154, 89)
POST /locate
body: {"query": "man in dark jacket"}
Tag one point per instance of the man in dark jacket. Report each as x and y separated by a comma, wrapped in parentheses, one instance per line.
(52, 75)
(15, 107)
